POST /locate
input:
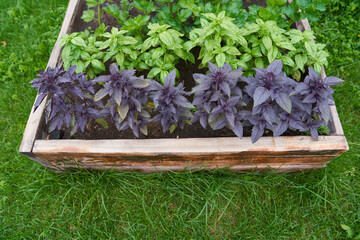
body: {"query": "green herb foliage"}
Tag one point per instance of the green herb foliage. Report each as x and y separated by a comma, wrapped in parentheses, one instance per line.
(90, 50)
(120, 48)
(82, 49)
(89, 15)
(184, 15)
(256, 45)
(121, 15)
(162, 50)
(219, 39)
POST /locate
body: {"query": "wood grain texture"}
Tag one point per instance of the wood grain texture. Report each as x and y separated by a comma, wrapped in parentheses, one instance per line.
(36, 118)
(244, 167)
(193, 145)
(175, 154)
(43, 162)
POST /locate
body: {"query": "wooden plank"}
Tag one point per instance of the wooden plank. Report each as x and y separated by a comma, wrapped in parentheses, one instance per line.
(247, 167)
(36, 118)
(150, 154)
(193, 145)
(43, 162)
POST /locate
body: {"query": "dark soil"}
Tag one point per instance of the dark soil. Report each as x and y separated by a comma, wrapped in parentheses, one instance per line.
(247, 3)
(97, 131)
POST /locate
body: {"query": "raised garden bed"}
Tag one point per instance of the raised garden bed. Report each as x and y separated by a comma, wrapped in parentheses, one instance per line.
(285, 153)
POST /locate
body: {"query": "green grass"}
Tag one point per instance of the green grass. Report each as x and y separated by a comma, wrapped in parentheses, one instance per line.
(36, 203)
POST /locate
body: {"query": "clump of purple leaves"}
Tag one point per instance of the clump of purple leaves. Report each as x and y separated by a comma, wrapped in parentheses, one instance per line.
(219, 99)
(281, 103)
(170, 102)
(128, 96)
(70, 99)
(269, 90)
(317, 93)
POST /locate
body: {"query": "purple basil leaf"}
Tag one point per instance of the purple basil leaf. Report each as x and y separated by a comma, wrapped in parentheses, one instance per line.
(238, 129)
(314, 133)
(280, 128)
(324, 109)
(332, 81)
(284, 102)
(256, 133)
(230, 117)
(219, 124)
(39, 100)
(275, 67)
(203, 121)
(170, 79)
(261, 95)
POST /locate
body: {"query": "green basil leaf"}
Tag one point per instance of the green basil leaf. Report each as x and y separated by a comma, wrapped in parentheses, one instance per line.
(128, 40)
(166, 38)
(97, 64)
(286, 45)
(288, 61)
(246, 57)
(233, 51)
(300, 61)
(259, 63)
(88, 15)
(220, 59)
(267, 42)
(317, 68)
(65, 54)
(78, 41)
(120, 58)
(91, 3)
(153, 72)
(311, 48)
(85, 56)
(272, 54)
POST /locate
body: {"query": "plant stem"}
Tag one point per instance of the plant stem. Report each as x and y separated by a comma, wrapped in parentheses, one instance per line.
(169, 5)
(99, 9)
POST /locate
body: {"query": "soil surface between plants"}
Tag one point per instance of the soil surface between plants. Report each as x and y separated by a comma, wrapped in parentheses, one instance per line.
(96, 131)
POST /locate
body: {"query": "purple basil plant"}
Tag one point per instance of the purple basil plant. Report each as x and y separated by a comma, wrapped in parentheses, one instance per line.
(280, 103)
(171, 105)
(70, 99)
(219, 100)
(268, 101)
(127, 99)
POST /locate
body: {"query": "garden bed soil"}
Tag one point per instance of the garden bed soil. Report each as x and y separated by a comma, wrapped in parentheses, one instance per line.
(97, 131)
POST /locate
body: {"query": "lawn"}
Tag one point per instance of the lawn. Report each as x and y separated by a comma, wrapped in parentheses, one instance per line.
(36, 203)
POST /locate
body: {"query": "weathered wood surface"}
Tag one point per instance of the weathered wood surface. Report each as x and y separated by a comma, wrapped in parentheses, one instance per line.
(36, 118)
(150, 155)
(209, 153)
(268, 167)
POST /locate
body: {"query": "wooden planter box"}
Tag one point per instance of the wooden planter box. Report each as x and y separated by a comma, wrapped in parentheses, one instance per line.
(149, 155)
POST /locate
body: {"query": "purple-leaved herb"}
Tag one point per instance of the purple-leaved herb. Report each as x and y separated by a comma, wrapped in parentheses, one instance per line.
(70, 102)
(171, 105)
(280, 103)
(318, 92)
(128, 97)
(219, 100)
